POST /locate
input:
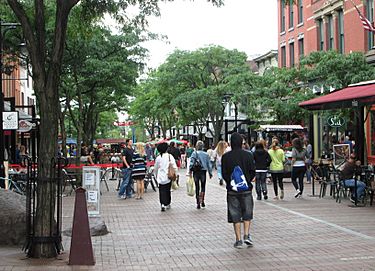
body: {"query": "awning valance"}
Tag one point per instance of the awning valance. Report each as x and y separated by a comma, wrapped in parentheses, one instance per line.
(355, 95)
(280, 128)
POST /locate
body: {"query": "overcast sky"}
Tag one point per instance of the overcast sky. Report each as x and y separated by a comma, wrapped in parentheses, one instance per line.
(247, 25)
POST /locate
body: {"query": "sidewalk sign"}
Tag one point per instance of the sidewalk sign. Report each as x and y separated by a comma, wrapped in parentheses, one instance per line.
(91, 182)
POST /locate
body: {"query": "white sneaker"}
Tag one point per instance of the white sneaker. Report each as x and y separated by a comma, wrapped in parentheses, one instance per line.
(276, 198)
(162, 208)
(297, 194)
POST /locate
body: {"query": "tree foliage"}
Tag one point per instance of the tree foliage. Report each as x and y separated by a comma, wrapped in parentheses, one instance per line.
(189, 87)
(45, 40)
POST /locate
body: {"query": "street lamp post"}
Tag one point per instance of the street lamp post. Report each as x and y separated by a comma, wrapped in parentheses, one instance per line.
(235, 116)
(7, 27)
(227, 100)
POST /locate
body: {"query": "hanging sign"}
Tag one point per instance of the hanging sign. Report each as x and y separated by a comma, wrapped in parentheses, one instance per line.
(10, 120)
(123, 123)
(25, 126)
(335, 121)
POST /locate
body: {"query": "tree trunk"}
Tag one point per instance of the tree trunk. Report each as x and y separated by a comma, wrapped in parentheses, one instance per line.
(46, 194)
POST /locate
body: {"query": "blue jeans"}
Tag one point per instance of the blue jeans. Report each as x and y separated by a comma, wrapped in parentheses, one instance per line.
(308, 173)
(360, 187)
(125, 186)
(260, 183)
(219, 175)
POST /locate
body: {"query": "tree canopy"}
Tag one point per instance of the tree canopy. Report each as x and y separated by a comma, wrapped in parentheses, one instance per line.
(190, 86)
(44, 26)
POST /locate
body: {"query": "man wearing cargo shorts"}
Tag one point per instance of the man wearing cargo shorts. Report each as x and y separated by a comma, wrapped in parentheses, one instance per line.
(239, 204)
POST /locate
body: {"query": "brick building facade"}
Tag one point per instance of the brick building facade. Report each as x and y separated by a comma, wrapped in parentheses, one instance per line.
(305, 26)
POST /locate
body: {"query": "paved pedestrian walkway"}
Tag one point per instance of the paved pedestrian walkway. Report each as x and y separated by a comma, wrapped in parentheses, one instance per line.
(290, 234)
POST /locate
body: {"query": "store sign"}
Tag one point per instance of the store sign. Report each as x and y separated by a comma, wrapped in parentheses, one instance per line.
(25, 126)
(10, 120)
(123, 123)
(335, 121)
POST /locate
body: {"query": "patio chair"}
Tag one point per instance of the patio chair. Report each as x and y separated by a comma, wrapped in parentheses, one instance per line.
(69, 179)
(329, 178)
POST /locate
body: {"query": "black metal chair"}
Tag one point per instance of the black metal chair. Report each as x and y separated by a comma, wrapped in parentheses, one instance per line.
(329, 179)
(69, 179)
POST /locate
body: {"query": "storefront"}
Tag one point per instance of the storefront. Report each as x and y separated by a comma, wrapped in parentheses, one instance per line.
(360, 98)
(370, 135)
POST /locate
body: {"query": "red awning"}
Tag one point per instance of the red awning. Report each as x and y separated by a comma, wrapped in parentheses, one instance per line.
(356, 95)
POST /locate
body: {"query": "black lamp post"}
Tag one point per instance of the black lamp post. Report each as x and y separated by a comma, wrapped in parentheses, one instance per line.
(226, 100)
(7, 27)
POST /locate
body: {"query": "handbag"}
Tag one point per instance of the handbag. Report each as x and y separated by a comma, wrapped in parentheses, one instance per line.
(171, 171)
(174, 185)
(190, 187)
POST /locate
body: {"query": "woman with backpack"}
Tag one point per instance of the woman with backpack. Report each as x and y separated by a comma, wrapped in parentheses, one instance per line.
(299, 157)
(199, 165)
(262, 162)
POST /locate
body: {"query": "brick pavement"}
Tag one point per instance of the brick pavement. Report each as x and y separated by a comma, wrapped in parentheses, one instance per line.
(292, 234)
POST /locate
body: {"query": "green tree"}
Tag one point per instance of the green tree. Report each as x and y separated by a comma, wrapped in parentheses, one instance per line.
(280, 90)
(45, 43)
(199, 80)
(336, 70)
(93, 56)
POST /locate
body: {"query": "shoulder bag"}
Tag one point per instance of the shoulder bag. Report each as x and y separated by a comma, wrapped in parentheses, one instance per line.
(171, 171)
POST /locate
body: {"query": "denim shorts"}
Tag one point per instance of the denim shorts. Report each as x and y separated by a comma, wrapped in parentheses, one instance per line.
(240, 206)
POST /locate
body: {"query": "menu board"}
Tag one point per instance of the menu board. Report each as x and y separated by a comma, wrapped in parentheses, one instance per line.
(341, 153)
(91, 182)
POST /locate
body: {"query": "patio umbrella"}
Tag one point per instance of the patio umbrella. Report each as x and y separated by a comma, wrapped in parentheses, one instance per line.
(162, 141)
(176, 141)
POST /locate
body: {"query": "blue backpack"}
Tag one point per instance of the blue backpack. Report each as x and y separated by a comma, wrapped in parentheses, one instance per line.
(238, 180)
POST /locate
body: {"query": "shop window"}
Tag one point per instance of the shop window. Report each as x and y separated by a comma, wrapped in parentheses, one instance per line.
(301, 48)
(330, 33)
(321, 35)
(282, 16)
(283, 56)
(300, 11)
(372, 129)
(291, 14)
(370, 17)
(340, 17)
(291, 54)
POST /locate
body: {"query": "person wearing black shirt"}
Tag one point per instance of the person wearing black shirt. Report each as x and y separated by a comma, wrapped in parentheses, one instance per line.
(239, 204)
(262, 162)
(126, 184)
(175, 153)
